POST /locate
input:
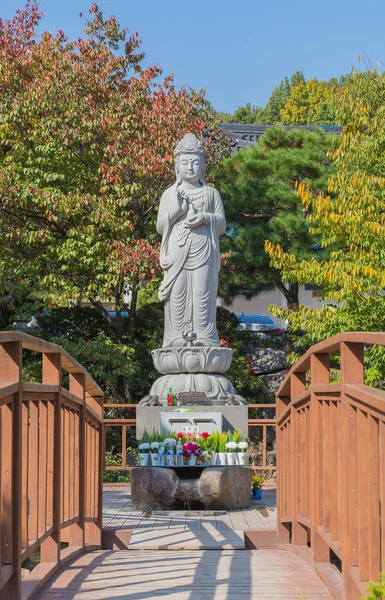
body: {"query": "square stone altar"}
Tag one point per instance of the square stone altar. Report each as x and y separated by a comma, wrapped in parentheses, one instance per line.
(148, 418)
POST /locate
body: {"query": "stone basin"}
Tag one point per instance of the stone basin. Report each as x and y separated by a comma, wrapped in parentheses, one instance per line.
(207, 488)
(192, 359)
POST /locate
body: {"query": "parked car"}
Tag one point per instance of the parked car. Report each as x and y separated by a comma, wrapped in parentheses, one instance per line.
(259, 324)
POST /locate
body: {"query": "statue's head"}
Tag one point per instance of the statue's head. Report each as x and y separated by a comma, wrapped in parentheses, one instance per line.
(190, 160)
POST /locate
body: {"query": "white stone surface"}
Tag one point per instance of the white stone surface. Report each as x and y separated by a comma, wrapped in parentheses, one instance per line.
(194, 359)
(217, 388)
(187, 539)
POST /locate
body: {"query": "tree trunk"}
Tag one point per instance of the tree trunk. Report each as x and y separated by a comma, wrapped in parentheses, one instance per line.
(291, 294)
(132, 313)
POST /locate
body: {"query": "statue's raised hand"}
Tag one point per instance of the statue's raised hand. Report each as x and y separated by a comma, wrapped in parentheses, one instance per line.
(181, 204)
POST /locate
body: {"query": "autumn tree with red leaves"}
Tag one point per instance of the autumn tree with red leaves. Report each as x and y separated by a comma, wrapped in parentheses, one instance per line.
(86, 139)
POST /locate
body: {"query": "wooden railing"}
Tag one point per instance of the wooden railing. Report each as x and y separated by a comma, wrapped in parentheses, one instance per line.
(331, 464)
(264, 424)
(51, 464)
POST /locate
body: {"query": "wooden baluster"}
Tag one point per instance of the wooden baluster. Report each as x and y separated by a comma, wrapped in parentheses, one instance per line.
(43, 444)
(33, 471)
(124, 445)
(381, 434)
(374, 519)
(52, 374)
(11, 457)
(319, 370)
(299, 534)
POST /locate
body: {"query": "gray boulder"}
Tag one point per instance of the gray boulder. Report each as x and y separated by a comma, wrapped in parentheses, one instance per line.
(153, 488)
(156, 488)
(225, 489)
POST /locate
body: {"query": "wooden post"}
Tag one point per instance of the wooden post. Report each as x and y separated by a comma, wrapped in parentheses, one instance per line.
(52, 374)
(77, 530)
(319, 370)
(297, 385)
(352, 371)
(11, 364)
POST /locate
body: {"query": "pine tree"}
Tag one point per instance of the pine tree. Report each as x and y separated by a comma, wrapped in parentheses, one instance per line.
(258, 186)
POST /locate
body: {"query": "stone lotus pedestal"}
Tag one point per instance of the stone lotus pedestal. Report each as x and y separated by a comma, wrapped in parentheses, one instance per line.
(206, 488)
(193, 369)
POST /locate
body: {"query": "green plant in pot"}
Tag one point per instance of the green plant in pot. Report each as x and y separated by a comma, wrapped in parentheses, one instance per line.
(144, 449)
(256, 486)
(154, 453)
(222, 455)
(213, 446)
(231, 449)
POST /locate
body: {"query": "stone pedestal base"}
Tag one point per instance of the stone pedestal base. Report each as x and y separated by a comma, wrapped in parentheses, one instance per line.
(217, 488)
(218, 389)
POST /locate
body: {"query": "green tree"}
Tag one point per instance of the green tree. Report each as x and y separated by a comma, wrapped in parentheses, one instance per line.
(247, 114)
(258, 187)
(86, 138)
(350, 221)
(310, 103)
(279, 97)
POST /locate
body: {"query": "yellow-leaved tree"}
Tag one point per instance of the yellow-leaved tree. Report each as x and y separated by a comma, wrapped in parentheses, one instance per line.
(310, 103)
(350, 223)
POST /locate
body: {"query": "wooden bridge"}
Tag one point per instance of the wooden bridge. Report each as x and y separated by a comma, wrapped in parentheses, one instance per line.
(326, 539)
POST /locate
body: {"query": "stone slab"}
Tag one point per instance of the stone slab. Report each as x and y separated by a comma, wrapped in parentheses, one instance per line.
(234, 417)
(187, 539)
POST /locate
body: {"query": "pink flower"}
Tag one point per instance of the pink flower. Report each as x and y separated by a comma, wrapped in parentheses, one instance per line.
(191, 448)
(180, 435)
(188, 434)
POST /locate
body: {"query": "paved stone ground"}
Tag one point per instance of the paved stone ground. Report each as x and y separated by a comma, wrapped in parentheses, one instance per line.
(118, 514)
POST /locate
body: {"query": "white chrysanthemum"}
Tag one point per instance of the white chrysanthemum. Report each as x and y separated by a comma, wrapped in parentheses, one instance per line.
(243, 445)
(170, 441)
(144, 446)
(154, 445)
(231, 445)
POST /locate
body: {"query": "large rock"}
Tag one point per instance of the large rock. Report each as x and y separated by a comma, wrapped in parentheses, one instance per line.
(226, 488)
(153, 488)
(267, 360)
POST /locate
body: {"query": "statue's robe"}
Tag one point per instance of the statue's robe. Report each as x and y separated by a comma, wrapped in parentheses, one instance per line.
(190, 260)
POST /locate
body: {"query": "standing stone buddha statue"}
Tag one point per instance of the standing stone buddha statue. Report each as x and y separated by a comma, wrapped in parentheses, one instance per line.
(190, 220)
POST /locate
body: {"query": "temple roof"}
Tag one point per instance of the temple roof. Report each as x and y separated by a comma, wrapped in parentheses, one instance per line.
(243, 135)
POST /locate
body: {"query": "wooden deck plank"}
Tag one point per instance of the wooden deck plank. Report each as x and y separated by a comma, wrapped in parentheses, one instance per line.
(189, 575)
(118, 513)
(254, 520)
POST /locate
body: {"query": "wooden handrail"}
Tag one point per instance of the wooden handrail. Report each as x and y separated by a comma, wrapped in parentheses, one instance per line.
(69, 364)
(51, 463)
(331, 464)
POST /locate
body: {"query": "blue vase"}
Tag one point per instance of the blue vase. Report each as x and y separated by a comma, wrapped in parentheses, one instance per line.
(257, 494)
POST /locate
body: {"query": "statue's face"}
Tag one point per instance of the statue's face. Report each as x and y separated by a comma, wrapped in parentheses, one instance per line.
(190, 167)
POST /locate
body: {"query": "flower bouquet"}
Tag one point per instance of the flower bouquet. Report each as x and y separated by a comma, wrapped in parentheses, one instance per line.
(190, 452)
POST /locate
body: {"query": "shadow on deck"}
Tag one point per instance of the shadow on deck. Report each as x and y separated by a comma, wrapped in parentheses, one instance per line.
(187, 574)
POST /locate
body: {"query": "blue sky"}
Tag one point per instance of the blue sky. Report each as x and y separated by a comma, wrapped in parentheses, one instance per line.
(238, 51)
